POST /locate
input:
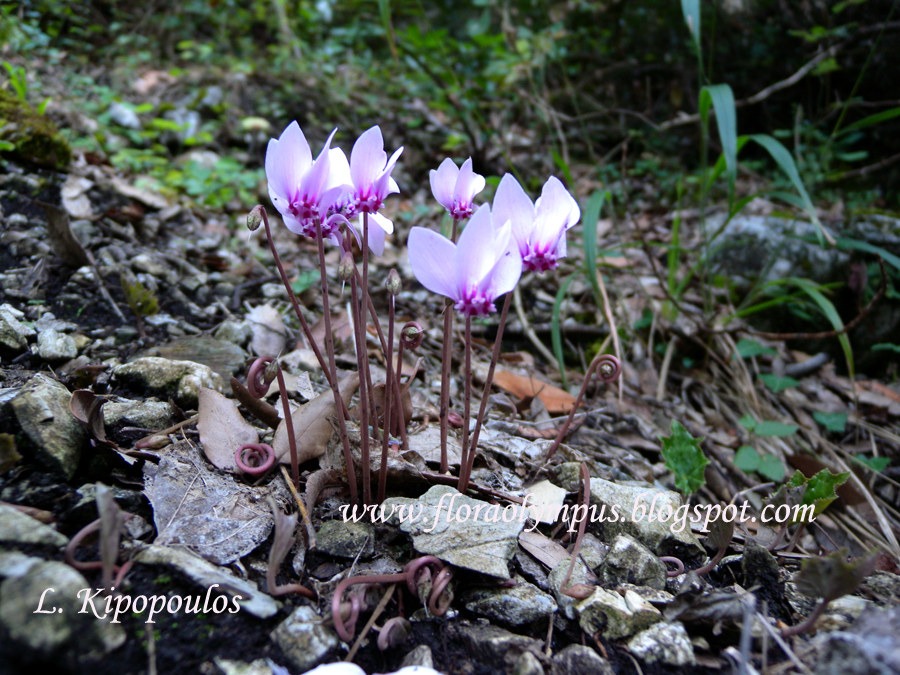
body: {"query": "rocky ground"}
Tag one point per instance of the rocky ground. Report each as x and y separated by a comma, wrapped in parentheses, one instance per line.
(120, 307)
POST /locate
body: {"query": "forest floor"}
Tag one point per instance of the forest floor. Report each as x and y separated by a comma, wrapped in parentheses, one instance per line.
(89, 250)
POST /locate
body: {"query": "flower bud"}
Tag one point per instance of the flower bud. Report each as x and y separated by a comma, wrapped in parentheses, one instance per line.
(255, 218)
(347, 267)
(393, 282)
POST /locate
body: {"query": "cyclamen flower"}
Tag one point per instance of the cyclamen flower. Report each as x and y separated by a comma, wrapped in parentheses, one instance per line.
(342, 208)
(482, 266)
(301, 189)
(539, 228)
(456, 188)
(370, 171)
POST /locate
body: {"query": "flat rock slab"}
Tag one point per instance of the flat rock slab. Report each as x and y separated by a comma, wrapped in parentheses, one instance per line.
(462, 531)
(19, 528)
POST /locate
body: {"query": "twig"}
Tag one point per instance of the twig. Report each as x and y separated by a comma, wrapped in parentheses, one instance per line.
(528, 330)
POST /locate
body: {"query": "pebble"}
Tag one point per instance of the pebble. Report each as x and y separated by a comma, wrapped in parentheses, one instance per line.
(305, 639)
(55, 346)
(666, 642)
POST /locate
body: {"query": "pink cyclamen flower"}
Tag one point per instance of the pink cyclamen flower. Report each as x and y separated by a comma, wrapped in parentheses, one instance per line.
(539, 228)
(482, 266)
(455, 188)
(341, 209)
(370, 171)
(301, 189)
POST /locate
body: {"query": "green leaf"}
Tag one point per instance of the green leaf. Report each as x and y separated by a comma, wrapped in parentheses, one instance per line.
(722, 99)
(590, 219)
(304, 281)
(748, 422)
(819, 489)
(684, 458)
(747, 458)
(834, 422)
(773, 428)
(749, 348)
(771, 467)
(778, 383)
(690, 9)
(875, 463)
(886, 347)
(786, 163)
(831, 576)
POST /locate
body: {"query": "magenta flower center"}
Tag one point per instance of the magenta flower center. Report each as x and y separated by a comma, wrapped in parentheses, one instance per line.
(460, 210)
(539, 260)
(366, 202)
(475, 303)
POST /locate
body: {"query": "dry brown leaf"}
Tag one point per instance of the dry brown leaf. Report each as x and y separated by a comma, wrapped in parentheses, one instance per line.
(543, 549)
(555, 400)
(313, 424)
(222, 429)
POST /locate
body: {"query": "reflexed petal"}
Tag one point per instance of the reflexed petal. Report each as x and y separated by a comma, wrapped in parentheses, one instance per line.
(378, 232)
(378, 221)
(468, 183)
(443, 182)
(367, 159)
(433, 261)
(477, 250)
(512, 205)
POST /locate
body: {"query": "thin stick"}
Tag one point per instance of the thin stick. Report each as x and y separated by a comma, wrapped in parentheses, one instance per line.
(332, 370)
(301, 507)
(379, 608)
(528, 330)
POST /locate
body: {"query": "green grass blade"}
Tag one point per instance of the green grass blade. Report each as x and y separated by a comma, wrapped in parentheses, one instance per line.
(591, 217)
(556, 329)
(786, 163)
(828, 309)
(722, 99)
(872, 120)
(691, 11)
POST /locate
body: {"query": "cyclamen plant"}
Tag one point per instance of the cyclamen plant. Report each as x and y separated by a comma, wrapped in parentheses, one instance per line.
(331, 199)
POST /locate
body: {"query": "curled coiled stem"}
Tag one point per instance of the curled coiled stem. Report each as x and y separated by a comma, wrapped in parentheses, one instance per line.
(411, 335)
(393, 633)
(416, 572)
(678, 565)
(254, 459)
(608, 368)
(260, 376)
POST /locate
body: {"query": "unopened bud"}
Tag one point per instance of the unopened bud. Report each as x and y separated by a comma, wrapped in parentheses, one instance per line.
(393, 282)
(411, 335)
(347, 267)
(255, 218)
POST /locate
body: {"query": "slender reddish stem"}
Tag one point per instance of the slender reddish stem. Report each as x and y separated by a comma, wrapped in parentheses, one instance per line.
(485, 395)
(388, 402)
(467, 456)
(446, 356)
(610, 368)
(332, 370)
(289, 424)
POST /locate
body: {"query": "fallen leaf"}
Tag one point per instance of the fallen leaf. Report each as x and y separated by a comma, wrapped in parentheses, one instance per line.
(543, 549)
(207, 511)
(545, 501)
(313, 424)
(75, 199)
(222, 429)
(269, 332)
(62, 239)
(555, 400)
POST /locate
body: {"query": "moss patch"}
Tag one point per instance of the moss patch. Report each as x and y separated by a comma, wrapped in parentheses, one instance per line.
(35, 139)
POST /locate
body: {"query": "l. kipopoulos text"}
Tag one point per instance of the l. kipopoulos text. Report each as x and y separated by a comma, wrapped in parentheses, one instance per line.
(103, 604)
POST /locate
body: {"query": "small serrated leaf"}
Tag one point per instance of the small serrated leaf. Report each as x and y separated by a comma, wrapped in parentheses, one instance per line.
(832, 576)
(778, 383)
(834, 422)
(749, 348)
(684, 458)
(773, 428)
(747, 458)
(771, 467)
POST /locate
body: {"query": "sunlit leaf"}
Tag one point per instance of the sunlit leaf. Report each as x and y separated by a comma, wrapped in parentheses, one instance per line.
(684, 458)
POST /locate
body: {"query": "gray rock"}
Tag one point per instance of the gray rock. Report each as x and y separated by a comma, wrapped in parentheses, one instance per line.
(207, 575)
(151, 415)
(55, 346)
(124, 115)
(520, 605)
(235, 332)
(870, 647)
(580, 659)
(666, 643)
(305, 640)
(64, 628)
(556, 579)
(16, 564)
(630, 562)
(462, 531)
(615, 616)
(528, 664)
(346, 540)
(163, 377)
(14, 333)
(19, 528)
(637, 511)
(420, 656)
(42, 409)
(493, 645)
